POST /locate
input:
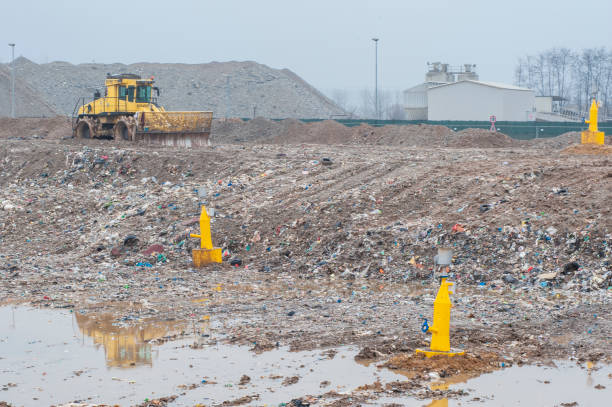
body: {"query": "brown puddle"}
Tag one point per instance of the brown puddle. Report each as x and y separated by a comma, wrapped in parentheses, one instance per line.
(56, 356)
(556, 384)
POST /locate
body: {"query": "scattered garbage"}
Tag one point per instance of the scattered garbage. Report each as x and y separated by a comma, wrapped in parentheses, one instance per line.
(143, 264)
(130, 241)
(349, 246)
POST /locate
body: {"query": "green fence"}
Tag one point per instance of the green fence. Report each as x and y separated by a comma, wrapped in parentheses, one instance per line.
(517, 130)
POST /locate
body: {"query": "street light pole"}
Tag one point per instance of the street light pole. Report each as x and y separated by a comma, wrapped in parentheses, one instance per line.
(12, 80)
(376, 76)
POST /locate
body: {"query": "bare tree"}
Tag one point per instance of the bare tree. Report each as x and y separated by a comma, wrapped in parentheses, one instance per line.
(607, 86)
(601, 60)
(395, 110)
(531, 72)
(573, 76)
(562, 61)
(342, 99)
(586, 73)
(367, 110)
(390, 105)
(520, 73)
(539, 69)
(385, 100)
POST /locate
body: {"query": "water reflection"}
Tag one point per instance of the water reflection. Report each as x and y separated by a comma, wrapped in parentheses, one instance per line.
(125, 346)
(443, 385)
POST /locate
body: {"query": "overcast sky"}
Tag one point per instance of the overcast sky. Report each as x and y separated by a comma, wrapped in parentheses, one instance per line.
(327, 42)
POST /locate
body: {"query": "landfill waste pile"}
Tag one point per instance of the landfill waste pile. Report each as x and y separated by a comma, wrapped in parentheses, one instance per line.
(323, 245)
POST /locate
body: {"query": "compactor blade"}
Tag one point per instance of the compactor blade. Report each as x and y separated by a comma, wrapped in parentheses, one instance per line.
(184, 129)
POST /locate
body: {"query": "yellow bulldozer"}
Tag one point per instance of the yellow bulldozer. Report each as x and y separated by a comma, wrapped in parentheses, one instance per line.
(129, 111)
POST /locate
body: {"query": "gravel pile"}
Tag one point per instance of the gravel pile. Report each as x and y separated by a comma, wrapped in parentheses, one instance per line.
(233, 89)
(28, 102)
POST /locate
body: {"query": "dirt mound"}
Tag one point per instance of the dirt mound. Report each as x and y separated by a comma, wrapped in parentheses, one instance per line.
(235, 130)
(556, 143)
(223, 129)
(32, 128)
(323, 132)
(291, 131)
(422, 135)
(333, 132)
(327, 132)
(260, 128)
(481, 138)
(588, 149)
(445, 366)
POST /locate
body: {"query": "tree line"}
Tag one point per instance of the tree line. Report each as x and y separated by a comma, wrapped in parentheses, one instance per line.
(575, 76)
(363, 105)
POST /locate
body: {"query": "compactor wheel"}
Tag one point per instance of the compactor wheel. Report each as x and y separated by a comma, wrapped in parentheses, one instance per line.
(85, 129)
(125, 129)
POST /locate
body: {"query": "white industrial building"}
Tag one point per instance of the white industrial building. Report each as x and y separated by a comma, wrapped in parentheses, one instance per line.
(415, 98)
(475, 100)
(455, 93)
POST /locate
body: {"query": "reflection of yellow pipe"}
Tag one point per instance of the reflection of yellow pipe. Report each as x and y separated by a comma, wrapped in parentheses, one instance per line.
(124, 346)
(440, 330)
(443, 385)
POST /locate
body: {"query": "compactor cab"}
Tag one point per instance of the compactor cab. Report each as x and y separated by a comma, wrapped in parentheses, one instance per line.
(129, 111)
(129, 93)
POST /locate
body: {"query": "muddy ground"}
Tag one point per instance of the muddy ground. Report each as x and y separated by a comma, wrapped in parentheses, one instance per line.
(324, 244)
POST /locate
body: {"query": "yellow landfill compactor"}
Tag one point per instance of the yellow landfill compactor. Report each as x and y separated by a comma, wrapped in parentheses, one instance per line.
(129, 111)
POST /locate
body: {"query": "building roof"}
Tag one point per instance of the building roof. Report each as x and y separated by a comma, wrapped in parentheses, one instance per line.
(424, 86)
(490, 84)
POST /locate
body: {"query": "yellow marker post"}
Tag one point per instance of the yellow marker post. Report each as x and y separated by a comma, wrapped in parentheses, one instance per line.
(207, 253)
(592, 135)
(440, 330)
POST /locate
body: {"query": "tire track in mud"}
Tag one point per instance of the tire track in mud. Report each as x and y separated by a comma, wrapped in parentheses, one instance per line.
(352, 174)
(353, 177)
